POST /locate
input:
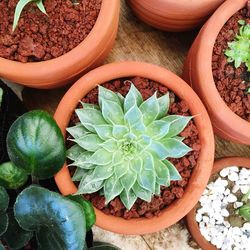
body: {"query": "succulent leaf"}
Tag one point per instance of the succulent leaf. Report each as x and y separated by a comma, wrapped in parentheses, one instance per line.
(150, 109)
(163, 105)
(112, 112)
(177, 123)
(89, 142)
(133, 97)
(78, 131)
(112, 188)
(128, 198)
(121, 148)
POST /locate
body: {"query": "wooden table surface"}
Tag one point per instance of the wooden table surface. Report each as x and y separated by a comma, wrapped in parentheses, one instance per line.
(137, 41)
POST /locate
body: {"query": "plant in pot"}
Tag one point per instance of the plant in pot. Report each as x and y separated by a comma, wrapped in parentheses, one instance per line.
(34, 216)
(217, 67)
(121, 142)
(49, 48)
(171, 15)
(221, 218)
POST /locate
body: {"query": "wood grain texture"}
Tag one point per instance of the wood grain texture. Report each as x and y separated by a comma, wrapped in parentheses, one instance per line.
(138, 41)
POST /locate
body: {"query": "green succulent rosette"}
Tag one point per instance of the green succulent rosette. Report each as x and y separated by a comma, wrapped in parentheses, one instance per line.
(239, 50)
(121, 146)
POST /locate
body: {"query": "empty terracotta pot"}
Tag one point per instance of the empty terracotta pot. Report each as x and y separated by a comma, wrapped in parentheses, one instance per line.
(201, 172)
(68, 67)
(198, 73)
(172, 15)
(193, 226)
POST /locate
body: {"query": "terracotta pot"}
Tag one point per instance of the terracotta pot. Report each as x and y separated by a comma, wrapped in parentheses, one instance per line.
(198, 73)
(201, 173)
(173, 15)
(193, 226)
(68, 67)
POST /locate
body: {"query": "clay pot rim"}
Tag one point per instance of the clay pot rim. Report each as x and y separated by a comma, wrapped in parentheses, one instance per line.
(30, 71)
(193, 226)
(202, 170)
(169, 6)
(207, 38)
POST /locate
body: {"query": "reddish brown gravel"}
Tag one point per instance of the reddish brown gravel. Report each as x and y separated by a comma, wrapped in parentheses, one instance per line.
(39, 37)
(232, 83)
(184, 164)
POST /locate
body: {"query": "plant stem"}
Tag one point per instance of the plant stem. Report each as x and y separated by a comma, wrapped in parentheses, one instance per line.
(35, 180)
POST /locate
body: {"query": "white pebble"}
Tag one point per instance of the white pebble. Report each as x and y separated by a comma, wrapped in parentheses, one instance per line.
(198, 217)
(238, 204)
(246, 226)
(235, 188)
(244, 189)
(233, 176)
(224, 172)
(224, 212)
(231, 198)
(205, 219)
(234, 169)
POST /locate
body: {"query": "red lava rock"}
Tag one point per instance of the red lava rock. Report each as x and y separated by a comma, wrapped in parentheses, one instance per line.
(40, 37)
(184, 165)
(232, 83)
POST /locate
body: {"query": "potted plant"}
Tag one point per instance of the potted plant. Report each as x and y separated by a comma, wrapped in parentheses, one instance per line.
(56, 48)
(171, 15)
(150, 78)
(55, 221)
(218, 72)
(221, 219)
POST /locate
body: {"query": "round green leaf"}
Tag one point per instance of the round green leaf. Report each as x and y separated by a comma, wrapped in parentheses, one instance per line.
(35, 144)
(15, 236)
(58, 222)
(12, 177)
(4, 221)
(87, 208)
(4, 200)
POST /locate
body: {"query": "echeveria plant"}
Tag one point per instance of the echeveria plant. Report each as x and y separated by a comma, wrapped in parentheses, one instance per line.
(20, 6)
(239, 50)
(121, 146)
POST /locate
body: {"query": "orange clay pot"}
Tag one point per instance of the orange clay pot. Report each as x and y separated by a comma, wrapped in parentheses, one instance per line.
(198, 73)
(174, 15)
(201, 173)
(68, 67)
(193, 226)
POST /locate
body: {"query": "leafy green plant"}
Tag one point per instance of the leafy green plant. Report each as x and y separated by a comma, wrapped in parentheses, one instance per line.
(122, 145)
(36, 145)
(239, 50)
(20, 6)
(12, 177)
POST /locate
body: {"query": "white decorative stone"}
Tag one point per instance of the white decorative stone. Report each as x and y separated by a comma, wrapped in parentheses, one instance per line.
(238, 204)
(224, 172)
(231, 198)
(244, 189)
(212, 216)
(224, 212)
(233, 176)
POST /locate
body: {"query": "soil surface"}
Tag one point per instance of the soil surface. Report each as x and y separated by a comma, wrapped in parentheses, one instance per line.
(232, 83)
(184, 165)
(41, 37)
